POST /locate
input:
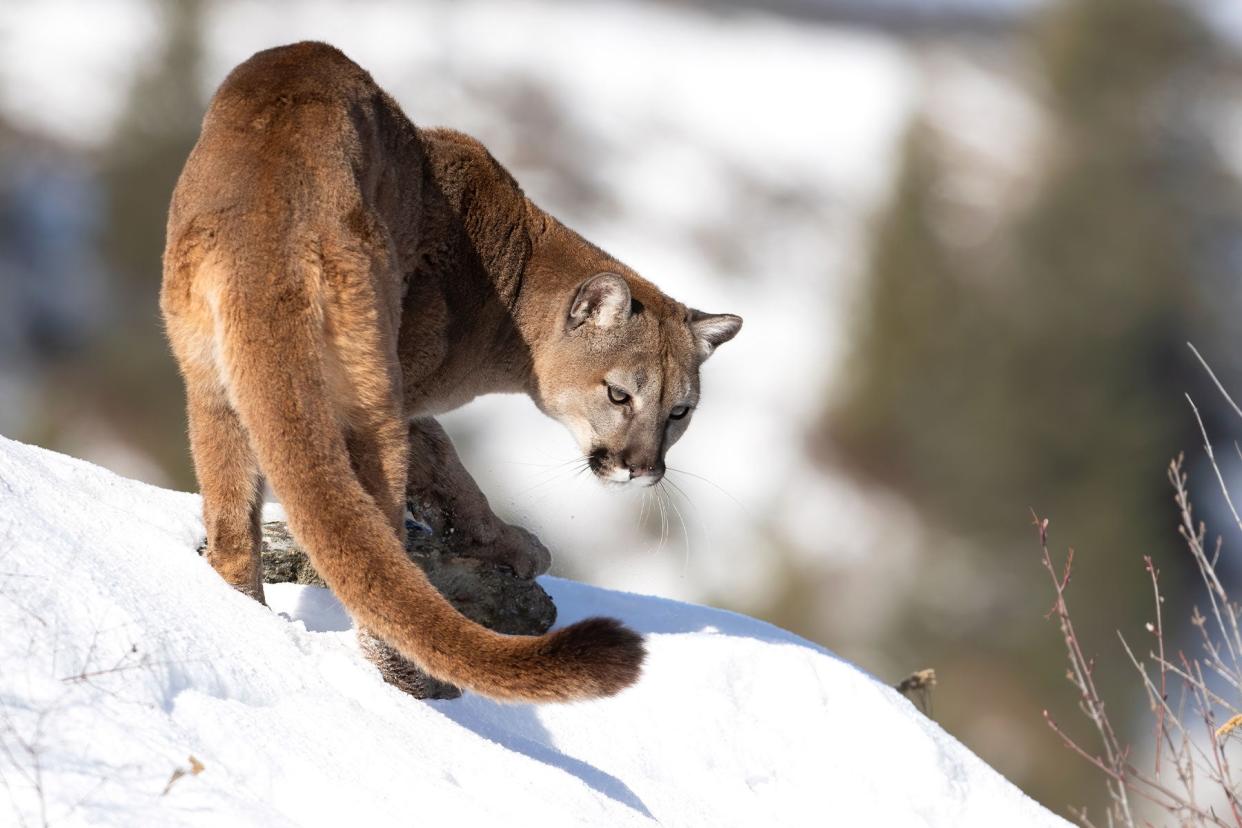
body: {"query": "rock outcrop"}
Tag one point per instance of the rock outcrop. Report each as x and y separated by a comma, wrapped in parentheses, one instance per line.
(482, 591)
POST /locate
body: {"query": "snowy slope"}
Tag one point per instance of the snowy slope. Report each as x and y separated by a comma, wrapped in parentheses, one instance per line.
(122, 655)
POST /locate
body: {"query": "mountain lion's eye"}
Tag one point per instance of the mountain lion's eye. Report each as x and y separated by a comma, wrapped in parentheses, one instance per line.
(617, 395)
(679, 412)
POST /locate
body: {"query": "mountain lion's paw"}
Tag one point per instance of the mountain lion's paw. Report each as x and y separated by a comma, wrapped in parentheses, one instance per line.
(529, 558)
(513, 548)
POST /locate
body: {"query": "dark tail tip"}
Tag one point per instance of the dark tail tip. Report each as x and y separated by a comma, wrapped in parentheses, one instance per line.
(604, 655)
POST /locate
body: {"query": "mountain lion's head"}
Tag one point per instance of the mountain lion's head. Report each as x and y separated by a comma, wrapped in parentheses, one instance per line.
(623, 374)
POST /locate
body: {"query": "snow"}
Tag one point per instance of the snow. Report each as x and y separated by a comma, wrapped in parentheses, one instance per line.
(123, 655)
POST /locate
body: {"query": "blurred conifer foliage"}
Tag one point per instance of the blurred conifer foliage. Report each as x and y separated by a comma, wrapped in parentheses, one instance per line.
(139, 167)
(1045, 366)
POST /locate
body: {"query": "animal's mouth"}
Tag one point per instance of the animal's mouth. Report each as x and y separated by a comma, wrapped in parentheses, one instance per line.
(613, 474)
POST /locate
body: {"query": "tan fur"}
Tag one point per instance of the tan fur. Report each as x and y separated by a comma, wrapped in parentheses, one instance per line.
(333, 278)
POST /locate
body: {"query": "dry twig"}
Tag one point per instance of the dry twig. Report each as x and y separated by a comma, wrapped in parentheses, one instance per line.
(1190, 778)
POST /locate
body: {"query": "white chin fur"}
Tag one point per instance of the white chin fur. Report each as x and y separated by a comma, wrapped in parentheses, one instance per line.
(621, 478)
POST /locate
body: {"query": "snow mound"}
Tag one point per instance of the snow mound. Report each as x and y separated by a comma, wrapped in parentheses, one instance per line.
(123, 656)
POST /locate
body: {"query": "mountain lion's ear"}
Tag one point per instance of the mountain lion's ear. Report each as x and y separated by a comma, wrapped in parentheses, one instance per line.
(713, 329)
(605, 298)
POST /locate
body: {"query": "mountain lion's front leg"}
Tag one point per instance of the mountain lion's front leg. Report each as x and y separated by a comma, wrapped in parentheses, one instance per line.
(442, 492)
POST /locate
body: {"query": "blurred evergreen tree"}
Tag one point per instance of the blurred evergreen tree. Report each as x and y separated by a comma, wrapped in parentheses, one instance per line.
(131, 381)
(1052, 380)
(151, 141)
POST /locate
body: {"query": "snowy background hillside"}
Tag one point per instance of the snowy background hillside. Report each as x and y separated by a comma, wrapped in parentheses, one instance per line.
(124, 655)
(969, 239)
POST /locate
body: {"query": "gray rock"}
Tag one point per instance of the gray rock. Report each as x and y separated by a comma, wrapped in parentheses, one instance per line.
(284, 562)
(488, 594)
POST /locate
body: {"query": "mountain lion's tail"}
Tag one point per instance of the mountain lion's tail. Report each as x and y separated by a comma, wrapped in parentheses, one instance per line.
(274, 350)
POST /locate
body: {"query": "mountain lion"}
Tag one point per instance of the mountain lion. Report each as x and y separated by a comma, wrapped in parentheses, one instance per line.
(335, 277)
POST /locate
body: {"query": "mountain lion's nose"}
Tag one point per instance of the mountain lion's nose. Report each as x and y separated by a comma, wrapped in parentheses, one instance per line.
(637, 471)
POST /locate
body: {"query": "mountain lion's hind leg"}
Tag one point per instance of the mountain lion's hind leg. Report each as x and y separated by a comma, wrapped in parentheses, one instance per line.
(228, 475)
(378, 454)
(368, 385)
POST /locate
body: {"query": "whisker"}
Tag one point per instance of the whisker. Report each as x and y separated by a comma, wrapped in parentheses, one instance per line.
(685, 566)
(663, 522)
(548, 474)
(557, 467)
(696, 512)
(538, 485)
(540, 465)
(557, 475)
(676, 488)
(718, 487)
